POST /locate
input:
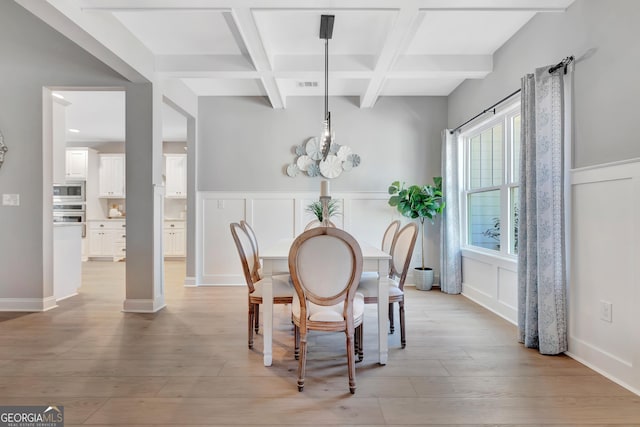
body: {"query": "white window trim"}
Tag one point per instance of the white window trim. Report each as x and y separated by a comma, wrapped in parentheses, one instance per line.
(502, 115)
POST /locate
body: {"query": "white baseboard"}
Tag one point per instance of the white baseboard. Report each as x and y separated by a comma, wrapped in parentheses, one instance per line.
(491, 304)
(143, 305)
(190, 282)
(67, 296)
(28, 304)
(603, 373)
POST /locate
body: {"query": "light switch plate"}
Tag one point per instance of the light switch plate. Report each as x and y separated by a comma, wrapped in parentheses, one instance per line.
(10, 200)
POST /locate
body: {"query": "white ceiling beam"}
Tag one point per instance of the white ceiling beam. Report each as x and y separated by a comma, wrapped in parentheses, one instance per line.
(315, 63)
(255, 47)
(214, 63)
(493, 5)
(442, 66)
(403, 30)
(101, 35)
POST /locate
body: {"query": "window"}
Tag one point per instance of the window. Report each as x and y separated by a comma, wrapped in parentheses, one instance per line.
(491, 191)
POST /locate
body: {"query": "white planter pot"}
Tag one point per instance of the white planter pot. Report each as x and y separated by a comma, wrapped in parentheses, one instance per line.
(424, 278)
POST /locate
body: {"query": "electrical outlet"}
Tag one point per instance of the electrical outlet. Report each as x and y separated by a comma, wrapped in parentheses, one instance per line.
(220, 204)
(606, 311)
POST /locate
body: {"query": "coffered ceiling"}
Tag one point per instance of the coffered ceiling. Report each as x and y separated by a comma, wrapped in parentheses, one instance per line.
(272, 47)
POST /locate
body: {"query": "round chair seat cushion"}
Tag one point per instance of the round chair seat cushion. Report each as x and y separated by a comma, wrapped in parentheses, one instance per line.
(331, 313)
(282, 286)
(368, 286)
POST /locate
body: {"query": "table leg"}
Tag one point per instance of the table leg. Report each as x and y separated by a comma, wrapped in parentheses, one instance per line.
(267, 315)
(383, 316)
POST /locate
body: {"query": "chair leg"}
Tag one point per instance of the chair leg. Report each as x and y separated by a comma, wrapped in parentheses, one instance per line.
(360, 342)
(250, 316)
(257, 318)
(296, 333)
(391, 326)
(403, 341)
(351, 363)
(302, 362)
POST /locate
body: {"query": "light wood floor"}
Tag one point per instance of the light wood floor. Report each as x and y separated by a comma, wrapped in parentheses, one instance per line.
(189, 365)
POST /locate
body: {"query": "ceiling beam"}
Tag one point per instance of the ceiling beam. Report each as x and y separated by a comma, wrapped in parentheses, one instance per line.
(488, 5)
(102, 36)
(255, 47)
(405, 26)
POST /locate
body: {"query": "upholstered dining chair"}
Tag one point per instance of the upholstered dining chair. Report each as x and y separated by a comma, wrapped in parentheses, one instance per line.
(325, 265)
(401, 252)
(389, 234)
(315, 223)
(282, 287)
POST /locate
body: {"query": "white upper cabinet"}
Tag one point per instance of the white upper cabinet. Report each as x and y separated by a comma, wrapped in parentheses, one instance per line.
(111, 176)
(175, 171)
(76, 164)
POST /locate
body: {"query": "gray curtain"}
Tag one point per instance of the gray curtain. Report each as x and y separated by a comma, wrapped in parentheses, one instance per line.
(450, 259)
(542, 260)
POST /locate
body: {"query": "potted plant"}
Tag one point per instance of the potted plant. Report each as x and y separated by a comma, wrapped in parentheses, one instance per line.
(316, 208)
(419, 202)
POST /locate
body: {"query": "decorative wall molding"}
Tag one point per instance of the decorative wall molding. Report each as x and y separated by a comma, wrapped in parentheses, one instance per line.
(605, 248)
(491, 281)
(275, 215)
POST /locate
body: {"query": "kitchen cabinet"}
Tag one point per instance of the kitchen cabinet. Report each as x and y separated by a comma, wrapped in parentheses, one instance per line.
(174, 239)
(175, 172)
(76, 164)
(111, 176)
(107, 239)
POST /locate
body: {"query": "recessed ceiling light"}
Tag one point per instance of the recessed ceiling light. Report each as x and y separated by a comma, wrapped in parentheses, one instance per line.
(57, 95)
(74, 131)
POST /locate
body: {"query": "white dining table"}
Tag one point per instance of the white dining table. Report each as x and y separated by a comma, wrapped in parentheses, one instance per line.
(276, 259)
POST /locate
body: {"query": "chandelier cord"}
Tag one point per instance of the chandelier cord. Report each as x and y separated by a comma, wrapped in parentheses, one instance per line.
(326, 78)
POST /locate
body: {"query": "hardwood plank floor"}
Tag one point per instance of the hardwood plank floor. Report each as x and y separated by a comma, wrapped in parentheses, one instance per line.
(189, 365)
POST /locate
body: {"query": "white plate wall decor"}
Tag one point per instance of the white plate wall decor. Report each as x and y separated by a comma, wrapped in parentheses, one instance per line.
(309, 161)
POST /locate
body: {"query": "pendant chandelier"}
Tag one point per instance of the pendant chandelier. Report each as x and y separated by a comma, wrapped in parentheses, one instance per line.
(327, 135)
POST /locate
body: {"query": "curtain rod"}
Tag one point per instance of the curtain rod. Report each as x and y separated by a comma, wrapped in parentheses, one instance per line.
(564, 63)
(492, 108)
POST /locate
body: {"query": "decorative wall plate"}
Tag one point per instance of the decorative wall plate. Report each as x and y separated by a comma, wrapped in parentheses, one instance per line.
(344, 152)
(313, 148)
(304, 162)
(309, 160)
(331, 167)
(292, 170)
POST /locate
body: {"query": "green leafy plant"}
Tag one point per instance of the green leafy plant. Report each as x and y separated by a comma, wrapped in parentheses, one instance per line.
(418, 202)
(494, 231)
(316, 209)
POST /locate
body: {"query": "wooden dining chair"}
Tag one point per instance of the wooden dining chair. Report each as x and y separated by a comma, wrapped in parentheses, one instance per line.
(316, 223)
(325, 265)
(401, 252)
(389, 235)
(282, 287)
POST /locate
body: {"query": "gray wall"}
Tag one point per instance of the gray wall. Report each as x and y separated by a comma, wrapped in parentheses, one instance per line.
(607, 92)
(245, 145)
(32, 56)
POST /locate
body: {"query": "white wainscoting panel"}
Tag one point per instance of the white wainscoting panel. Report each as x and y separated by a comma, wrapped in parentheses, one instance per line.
(605, 268)
(492, 282)
(274, 216)
(219, 262)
